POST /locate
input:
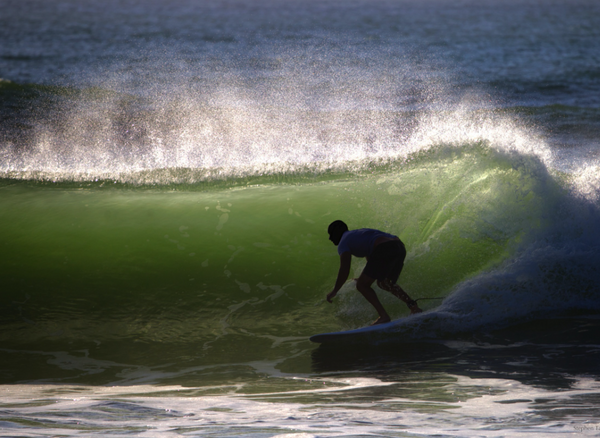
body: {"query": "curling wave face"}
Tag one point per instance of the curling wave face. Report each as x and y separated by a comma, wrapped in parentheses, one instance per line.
(150, 222)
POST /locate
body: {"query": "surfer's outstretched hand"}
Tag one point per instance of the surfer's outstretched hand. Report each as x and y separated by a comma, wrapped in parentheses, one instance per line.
(331, 295)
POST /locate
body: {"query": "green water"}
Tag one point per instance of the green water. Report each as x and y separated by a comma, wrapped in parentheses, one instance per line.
(231, 275)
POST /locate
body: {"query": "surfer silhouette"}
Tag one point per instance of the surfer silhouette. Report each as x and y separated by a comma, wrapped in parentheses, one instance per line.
(385, 255)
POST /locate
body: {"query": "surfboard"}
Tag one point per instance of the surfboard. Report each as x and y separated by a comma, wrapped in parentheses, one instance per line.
(355, 335)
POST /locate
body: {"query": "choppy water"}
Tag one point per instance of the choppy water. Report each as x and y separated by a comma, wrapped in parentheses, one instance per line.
(167, 174)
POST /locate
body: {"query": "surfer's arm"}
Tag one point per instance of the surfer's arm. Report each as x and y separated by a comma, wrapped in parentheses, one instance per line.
(343, 273)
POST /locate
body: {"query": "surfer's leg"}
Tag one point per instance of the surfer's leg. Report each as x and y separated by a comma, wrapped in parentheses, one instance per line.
(389, 279)
(398, 292)
(363, 284)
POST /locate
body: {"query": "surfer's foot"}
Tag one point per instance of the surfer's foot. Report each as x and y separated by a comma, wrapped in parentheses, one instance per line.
(381, 320)
(412, 305)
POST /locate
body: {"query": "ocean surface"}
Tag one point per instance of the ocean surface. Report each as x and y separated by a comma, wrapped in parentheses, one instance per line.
(168, 170)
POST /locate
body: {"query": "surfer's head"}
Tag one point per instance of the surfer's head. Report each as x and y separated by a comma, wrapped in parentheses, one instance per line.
(336, 230)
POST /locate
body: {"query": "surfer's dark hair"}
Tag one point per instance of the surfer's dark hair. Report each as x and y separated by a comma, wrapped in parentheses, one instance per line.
(337, 228)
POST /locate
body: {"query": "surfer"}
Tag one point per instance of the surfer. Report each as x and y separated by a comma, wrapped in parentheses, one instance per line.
(385, 255)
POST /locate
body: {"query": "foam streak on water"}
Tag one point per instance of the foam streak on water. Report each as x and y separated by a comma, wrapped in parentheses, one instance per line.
(464, 407)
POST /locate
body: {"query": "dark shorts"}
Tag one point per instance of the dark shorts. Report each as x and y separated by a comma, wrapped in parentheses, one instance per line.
(386, 261)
